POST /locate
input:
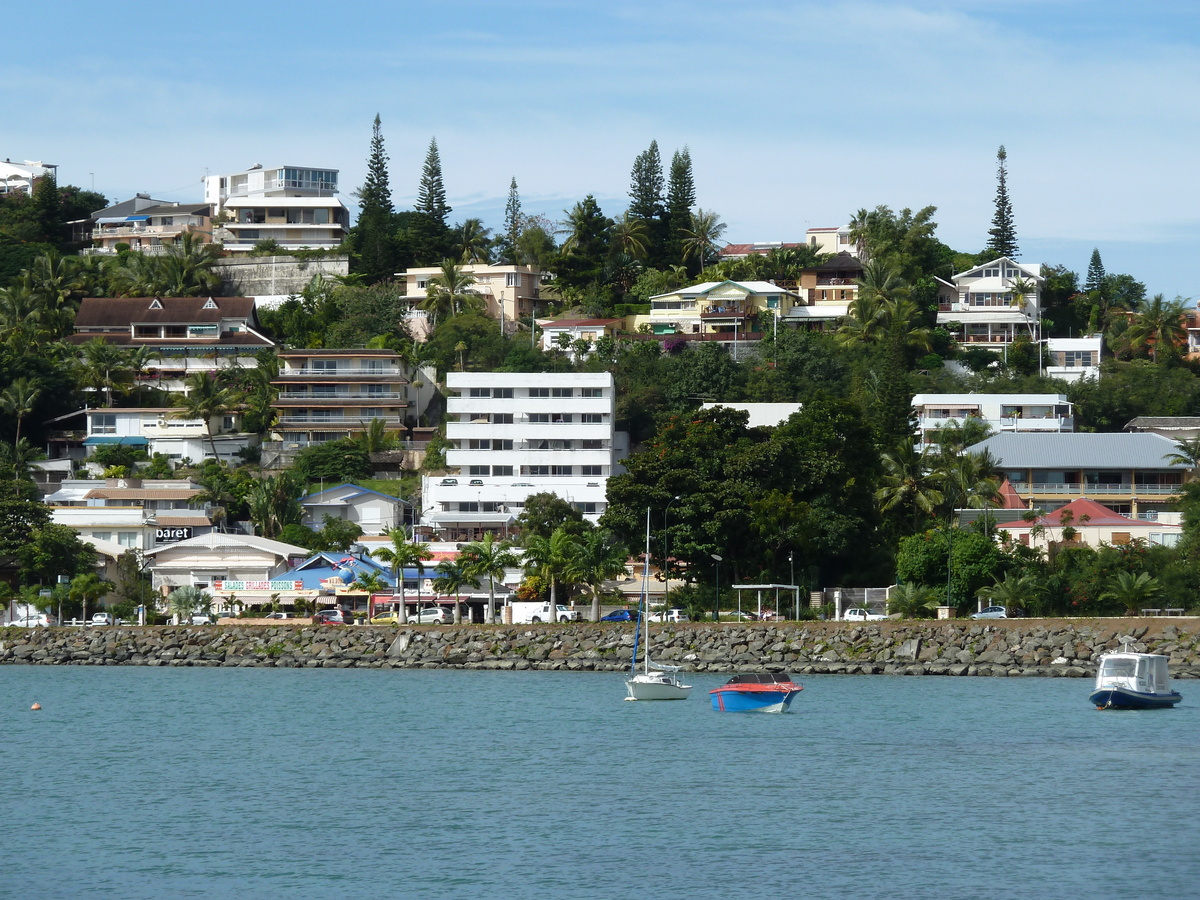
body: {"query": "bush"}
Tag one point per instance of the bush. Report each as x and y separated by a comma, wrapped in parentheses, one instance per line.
(336, 461)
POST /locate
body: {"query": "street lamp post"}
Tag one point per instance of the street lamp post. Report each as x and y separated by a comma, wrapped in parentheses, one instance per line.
(717, 598)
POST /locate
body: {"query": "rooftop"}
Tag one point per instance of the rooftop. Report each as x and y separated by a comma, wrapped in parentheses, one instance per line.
(1119, 450)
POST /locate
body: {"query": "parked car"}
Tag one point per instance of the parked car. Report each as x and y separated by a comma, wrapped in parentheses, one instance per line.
(675, 614)
(386, 617)
(621, 615)
(742, 616)
(858, 614)
(991, 612)
(201, 619)
(332, 617)
(433, 615)
(101, 618)
(449, 481)
(33, 620)
(476, 482)
(278, 615)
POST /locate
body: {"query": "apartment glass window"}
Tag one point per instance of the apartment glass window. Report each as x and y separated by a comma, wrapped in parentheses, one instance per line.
(479, 444)
(479, 470)
(102, 535)
(503, 393)
(502, 418)
(104, 424)
(539, 392)
(376, 390)
(539, 418)
(591, 418)
(1077, 358)
(562, 392)
(468, 506)
(512, 279)
(324, 365)
(590, 470)
(479, 392)
(538, 471)
(502, 471)
(502, 444)
(561, 470)
(592, 444)
(127, 538)
(323, 415)
(591, 392)
(588, 509)
(561, 418)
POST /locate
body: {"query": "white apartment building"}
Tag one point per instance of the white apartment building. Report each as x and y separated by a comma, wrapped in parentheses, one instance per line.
(1073, 359)
(296, 207)
(1001, 412)
(517, 434)
(158, 430)
(997, 302)
(18, 178)
(131, 513)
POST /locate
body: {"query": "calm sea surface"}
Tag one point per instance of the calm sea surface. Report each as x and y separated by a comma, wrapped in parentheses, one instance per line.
(247, 783)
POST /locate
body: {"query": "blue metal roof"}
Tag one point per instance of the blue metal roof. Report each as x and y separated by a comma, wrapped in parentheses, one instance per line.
(126, 440)
(345, 566)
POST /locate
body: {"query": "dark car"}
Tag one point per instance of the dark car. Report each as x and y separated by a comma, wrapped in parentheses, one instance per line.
(621, 615)
(333, 617)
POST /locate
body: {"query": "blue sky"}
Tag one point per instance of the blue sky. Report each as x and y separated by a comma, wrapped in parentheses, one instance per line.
(796, 113)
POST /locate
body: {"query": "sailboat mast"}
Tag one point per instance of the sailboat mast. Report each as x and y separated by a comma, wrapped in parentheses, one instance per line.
(646, 594)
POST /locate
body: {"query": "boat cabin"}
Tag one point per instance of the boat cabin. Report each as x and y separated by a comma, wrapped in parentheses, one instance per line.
(1142, 672)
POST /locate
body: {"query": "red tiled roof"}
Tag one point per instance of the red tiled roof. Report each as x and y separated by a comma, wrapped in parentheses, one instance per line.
(1009, 498)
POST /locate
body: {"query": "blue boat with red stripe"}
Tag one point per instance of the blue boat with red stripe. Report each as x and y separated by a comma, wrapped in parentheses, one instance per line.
(769, 692)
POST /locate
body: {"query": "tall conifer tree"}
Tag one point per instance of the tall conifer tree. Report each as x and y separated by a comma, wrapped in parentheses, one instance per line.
(1003, 236)
(431, 195)
(512, 223)
(374, 232)
(646, 185)
(1095, 274)
(681, 197)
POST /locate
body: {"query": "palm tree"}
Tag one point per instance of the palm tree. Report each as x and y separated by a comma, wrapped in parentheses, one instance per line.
(912, 601)
(630, 236)
(1013, 592)
(187, 267)
(138, 360)
(701, 239)
(488, 558)
(866, 320)
(475, 241)
(183, 601)
(600, 556)
(860, 227)
(908, 482)
(104, 367)
(452, 577)
(1187, 453)
(553, 558)
(370, 581)
(1132, 591)
(19, 400)
(88, 587)
(1159, 325)
(376, 438)
(401, 554)
(446, 290)
(205, 400)
(275, 503)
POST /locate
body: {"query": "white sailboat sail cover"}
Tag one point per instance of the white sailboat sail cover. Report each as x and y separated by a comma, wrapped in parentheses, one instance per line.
(660, 667)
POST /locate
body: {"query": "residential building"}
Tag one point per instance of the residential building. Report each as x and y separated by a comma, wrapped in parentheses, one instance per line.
(511, 294)
(158, 430)
(1087, 522)
(832, 240)
(186, 335)
(148, 225)
(556, 332)
(717, 307)
(826, 291)
(759, 248)
(1073, 359)
(761, 415)
(372, 511)
(516, 434)
(133, 513)
(1176, 428)
(298, 208)
(326, 395)
(997, 302)
(1128, 473)
(1000, 412)
(18, 178)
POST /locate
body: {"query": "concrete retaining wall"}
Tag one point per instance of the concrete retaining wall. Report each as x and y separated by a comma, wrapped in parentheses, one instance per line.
(1017, 647)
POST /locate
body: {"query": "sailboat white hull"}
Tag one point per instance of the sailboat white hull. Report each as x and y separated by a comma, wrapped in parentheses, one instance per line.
(656, 686)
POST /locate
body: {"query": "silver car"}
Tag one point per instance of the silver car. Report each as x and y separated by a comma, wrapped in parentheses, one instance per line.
(35, 620)
(431, 616)
(991, 612)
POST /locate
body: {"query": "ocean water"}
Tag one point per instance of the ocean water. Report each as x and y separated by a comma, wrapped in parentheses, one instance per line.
(249, 783)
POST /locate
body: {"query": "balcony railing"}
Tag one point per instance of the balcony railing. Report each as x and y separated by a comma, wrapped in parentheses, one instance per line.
(1126, 489)
(345, 422)
(727, 312)
(825, 281)
(344, 372)
(293, 397)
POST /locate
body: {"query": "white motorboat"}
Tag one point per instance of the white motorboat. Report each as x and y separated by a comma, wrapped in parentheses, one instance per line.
(1129, 680)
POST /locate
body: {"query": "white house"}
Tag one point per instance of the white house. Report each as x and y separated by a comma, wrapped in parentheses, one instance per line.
(1073, 359)
(296, 207)
(997, 302)
(374, 512)
(556, 332)
(517, 434)
(15, 177)
(158, 431)
(132, 513)
(250, 562)
(1001, 412)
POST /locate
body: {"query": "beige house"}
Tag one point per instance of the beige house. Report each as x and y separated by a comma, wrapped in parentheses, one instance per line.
(832, 240)
(509, 293)
(149, 229)
(1085, 521)
(212, 561)
(717, 307)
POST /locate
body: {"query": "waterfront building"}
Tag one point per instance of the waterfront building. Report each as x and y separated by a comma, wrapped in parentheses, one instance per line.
(511, 435)
(131, 513)
(555, 332)
(826, 291)
(1128, 473)
(250, 567)
(1073, 359)
(1000, 412)
(1088, 523)
(374, 512)
(296, 207)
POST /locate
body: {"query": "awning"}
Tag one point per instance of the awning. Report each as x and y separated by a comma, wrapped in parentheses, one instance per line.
(123, 440)
(136, 218)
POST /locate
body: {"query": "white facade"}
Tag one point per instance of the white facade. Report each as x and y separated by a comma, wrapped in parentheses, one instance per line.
(510, 294)
(1073, 359)
(296, 207)
(990, 310)
(373, 512)
(15, 177)
(132, 513)
(517, 434)
(159, 432)
(1001, 412)
(832, 240)
(203, 561)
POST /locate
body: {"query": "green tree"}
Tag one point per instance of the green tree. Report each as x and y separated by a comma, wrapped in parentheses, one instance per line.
(646, 200)
(452, 577)
(19, 399)
(1096, 276)
(403, 554)
(554, 559)
(274, 503)
(908, 485)
(681, 197)
(513, 226)
(374, 233)
(1159, 326)
(701, 239)
(431, 193)
(474, 241)
(1016, 592)
(488, 559)
(1133, 591)
(1002, 240)
(544, 513)
(581, 259)
(344, 460)
(88, 587)
(52, 550)
(184, 601)
(913, 601)
(598, 557)
(206, 400)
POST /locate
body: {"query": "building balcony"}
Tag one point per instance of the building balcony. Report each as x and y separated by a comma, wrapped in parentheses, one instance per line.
(728, 312)
(1076, 489)
(292, 398)
(288, 423)
(837, 281)
(367, 376)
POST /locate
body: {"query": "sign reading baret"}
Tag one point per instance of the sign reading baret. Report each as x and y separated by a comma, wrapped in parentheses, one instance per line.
(171, 535)
(258, 585)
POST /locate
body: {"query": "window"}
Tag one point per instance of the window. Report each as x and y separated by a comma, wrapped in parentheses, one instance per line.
(561, 470)
(588, 509)
(376, 390)
(324, 365)
(539, 471)
(1121, 537)
(539, 392)
(503, 393)
(502, 444)
(561, 418)
(322, 415)
(102, 535)
(1165, 540)
(468, 507)
(479, 392)
(127, 538)
(512, 279)
(1072, 358)
(592, 444)
(562, 392)
(479, 444)
(479, 470)
(591, 392)
(104, 424)
(590, 470)
(502, 418)
(539, 418)
(502, 471)
(422, 283)
(591, 418)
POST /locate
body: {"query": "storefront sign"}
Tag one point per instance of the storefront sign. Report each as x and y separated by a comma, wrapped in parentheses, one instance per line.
(258, 585)
(171, 535)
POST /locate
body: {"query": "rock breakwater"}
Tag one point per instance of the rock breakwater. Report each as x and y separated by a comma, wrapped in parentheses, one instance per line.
(1008, 648)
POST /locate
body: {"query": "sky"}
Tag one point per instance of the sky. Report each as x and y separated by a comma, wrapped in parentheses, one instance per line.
(796, 114)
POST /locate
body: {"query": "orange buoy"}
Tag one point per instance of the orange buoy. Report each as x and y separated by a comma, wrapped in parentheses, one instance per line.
(36, 706)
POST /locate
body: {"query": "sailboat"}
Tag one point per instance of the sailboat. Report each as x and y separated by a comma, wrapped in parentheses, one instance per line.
(656, 681)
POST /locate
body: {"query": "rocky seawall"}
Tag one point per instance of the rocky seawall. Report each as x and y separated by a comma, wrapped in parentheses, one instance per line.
(1003, 648)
